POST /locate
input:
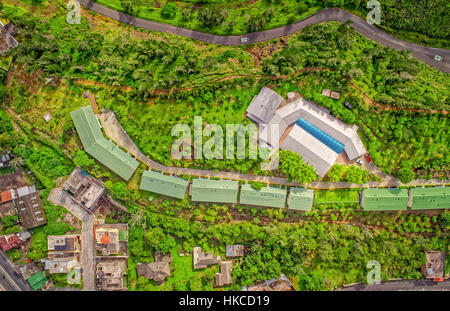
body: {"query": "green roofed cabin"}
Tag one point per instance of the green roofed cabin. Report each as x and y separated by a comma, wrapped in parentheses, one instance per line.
(167, 185)
(103, 150)
(219, 191)
(430, 198)
(384, 199)
(267, 196)
(300, 199)
(37, 280)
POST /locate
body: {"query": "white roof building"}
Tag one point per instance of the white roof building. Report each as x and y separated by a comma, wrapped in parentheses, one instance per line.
(315, 147)
(311, 149)
(264, 105)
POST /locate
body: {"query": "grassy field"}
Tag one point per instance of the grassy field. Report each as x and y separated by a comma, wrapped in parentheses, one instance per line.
(336, 196)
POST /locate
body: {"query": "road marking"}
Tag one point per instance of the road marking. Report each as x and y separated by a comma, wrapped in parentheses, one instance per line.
(10, 280)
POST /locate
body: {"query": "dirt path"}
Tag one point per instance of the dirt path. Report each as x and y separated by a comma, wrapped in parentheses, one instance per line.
(369, 100)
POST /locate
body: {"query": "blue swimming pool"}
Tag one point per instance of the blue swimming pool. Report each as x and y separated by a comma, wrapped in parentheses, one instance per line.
(323, 137)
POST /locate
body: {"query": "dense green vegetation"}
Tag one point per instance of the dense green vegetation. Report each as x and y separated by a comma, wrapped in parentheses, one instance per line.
(292, 165)
(351, 174)
(289, 248)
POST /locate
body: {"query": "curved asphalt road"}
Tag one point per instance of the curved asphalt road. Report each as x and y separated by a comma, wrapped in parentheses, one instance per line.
(425, 54)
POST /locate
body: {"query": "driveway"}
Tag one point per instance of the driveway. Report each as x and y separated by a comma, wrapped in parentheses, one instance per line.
(425, 54)
(87, 256)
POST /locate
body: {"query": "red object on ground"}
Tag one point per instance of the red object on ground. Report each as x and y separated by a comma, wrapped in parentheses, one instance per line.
(438, 279)
(5, 196)
(369, 159)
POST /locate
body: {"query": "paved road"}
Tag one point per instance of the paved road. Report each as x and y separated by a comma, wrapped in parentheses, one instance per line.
(87, 257)
(13, 281)
(423, 53)
(401, 285)
(116, 132)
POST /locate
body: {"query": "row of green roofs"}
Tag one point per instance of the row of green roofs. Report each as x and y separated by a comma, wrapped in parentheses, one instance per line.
(102, 149)
(227, 191)
(397, 199)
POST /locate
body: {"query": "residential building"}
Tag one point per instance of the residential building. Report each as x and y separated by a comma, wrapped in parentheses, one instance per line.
(158, 270)
(10, 241)
(103, 150)
(435, 265)
(266, 196)
(300, 199)
(202, 260)
(85, 190)
(220, 191)
(62, 264)
(430, 198)
(280, 284)
(111, 239)
(29, 207)
(7, 41)
(224, 278)
(171, 186)
(110, 273)
(263, 105)
(4, 159)
(392, 199)
(69, 243)
(235, 250)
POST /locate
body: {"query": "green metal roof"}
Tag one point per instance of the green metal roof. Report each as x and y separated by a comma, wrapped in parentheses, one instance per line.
(430, 198)
(103, 150)
(385, 199)
(123, 235)
(300, 199)
(167, 185)
(267, 196)
(37, 280)
(220, 191)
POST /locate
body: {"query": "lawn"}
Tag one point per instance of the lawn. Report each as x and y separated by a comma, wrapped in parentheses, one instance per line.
(336, 196)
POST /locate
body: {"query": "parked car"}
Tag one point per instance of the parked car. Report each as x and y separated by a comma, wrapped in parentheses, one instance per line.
(348, 105)
(369, 159)
(359, 161)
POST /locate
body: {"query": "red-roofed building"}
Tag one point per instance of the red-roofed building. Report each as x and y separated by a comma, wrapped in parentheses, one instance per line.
(4, 243)
(5, 196)
(8, 242)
